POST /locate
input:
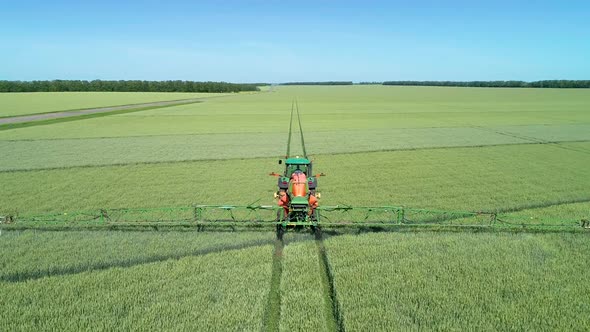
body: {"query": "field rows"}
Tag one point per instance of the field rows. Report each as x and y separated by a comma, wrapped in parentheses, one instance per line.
(63, 153)
(214, 123)
(323, 109)
(526, 153)
(461, 281)
(499, 177)
(35, 255)
(303, 302)
(355, 100)
(383, 281)
(186, 291)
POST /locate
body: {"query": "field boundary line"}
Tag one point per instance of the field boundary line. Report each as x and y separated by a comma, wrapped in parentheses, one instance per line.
(272, 312)
(509, 134)
(333, 308)
(156, 162)
(532, 139)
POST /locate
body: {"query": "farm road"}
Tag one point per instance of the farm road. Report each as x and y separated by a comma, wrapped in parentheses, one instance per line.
(67, 114)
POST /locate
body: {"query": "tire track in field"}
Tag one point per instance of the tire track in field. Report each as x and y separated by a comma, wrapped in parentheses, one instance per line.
(272, 314)
(335, 318)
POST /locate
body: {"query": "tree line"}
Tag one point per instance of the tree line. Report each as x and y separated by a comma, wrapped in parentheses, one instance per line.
(319, 83)
(193, 86)
(499, 84)
(123, 86)
(369, 83)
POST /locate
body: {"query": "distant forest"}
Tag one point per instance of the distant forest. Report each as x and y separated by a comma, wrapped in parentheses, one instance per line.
(123, 86)
(499, 84)
(319, 83)
(480, 84)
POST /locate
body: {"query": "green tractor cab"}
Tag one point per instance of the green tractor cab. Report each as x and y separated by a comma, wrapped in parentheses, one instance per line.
(295, 164)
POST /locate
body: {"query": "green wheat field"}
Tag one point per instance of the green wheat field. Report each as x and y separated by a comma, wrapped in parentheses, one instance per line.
(520, 151)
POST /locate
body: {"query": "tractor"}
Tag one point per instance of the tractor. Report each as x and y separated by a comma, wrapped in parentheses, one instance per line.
(296, 193)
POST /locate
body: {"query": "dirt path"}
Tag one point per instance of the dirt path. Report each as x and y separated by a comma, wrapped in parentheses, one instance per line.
(66, 114)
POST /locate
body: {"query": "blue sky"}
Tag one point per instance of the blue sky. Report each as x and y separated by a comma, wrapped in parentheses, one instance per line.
(279, 41)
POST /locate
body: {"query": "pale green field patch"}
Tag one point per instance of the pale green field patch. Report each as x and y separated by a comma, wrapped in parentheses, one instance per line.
(464, 281)
(41, 154)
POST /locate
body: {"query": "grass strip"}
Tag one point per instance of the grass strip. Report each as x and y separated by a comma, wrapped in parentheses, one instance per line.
(9, 126)
(272, 314)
